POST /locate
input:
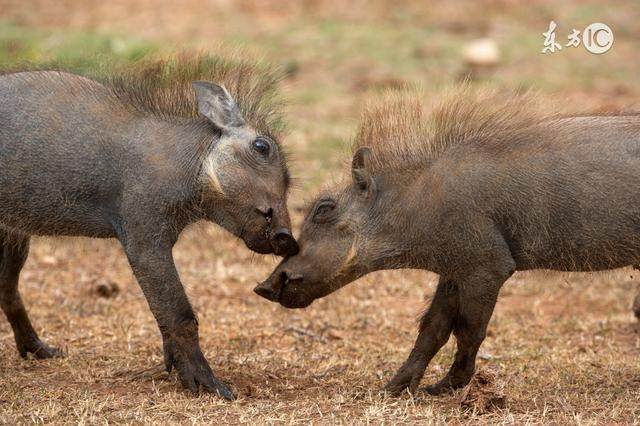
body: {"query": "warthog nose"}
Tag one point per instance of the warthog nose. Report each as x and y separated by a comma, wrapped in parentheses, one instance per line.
(284, 243)
(265, 290)
(272, 288)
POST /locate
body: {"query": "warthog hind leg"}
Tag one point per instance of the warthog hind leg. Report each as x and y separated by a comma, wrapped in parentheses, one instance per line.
(13, 253)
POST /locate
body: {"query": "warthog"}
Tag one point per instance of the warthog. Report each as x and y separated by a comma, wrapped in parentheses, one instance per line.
(139, 156)
(488, 186)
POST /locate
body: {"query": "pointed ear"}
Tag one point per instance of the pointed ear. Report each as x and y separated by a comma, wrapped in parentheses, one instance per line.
(360, 171)
(215, 103)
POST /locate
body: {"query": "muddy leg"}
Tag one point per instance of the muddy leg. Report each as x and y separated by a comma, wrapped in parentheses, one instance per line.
(477, 299)
(435, 328)
(13, 254)
(153, 266)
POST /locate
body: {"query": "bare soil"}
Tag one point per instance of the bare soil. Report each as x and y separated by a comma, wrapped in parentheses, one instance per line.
(561, 348)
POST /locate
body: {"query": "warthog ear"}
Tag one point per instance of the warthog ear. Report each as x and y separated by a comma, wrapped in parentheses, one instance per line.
(215, 103)
(360, 170)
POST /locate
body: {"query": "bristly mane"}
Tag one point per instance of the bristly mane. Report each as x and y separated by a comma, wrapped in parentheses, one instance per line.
(163, 87)
(403, 135)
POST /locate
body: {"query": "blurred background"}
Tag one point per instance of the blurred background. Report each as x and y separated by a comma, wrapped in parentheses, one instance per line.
(561, 348)
(336, 51)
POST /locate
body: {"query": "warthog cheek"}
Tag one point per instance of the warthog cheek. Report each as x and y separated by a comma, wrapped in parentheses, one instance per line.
(350, 259)
(214, 182)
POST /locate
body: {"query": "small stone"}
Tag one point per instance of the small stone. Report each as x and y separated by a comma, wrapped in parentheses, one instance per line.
(483, 52)
(107, 290)
(49, 260)
(335, 334)
(486, 356)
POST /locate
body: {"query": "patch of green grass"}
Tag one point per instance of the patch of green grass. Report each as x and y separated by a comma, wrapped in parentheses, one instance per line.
(349, 49)
(77, 51)
(329, 152)
(327, 147)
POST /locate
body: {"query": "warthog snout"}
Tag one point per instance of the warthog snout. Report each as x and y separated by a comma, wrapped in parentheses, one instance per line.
(274, 288)
(284, 244)
(271, 288)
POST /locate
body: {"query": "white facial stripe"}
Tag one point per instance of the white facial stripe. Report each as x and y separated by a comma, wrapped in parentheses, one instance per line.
(209, 167)
(351, 257)
(222, 157)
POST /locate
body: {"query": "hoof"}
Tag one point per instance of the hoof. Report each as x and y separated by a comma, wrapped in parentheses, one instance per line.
(439, 389)
(193, 370)
(449, 384)
(40, 350)
(408, 377)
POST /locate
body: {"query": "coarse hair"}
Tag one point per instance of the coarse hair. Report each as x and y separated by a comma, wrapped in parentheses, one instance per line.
(162, 86)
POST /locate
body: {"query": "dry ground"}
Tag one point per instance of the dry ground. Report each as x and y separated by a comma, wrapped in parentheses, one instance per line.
(562, 349)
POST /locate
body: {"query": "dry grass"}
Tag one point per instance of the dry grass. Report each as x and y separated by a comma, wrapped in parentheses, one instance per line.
(561, 349)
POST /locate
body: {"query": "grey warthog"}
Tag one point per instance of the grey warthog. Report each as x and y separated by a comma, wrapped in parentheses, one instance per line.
(138, 156)
(489, 185)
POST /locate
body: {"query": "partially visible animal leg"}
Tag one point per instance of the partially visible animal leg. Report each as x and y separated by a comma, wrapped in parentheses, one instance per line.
(435, 328)
(477, 299)
(153, 265)
(13, 253)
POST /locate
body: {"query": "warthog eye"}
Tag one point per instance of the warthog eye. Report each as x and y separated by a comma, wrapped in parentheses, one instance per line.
(323, 210)
(261, 145)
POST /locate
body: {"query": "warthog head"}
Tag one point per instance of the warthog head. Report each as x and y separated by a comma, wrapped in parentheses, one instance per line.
(244, 176)
(343, 237)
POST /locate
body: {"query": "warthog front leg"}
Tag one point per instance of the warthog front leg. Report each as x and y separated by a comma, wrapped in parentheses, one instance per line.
(462, 304)
(435, 328)
(153, 266)
(477, 299)
(13, 253)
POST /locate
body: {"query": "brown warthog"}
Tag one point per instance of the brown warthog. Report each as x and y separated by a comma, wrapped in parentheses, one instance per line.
(489, 185)
(138, 156)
